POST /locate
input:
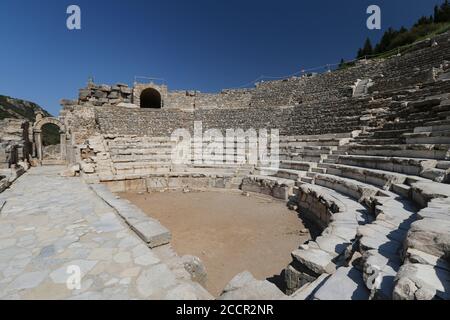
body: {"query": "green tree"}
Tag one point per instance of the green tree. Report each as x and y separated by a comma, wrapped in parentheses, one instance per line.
(367, 50)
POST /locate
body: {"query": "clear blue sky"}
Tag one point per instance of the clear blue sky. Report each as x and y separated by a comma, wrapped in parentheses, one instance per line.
(205, 45)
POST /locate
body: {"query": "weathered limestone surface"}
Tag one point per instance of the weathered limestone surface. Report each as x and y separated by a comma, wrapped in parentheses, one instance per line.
(426, 272)
(42, 233)
(245, 287)
(345, 284)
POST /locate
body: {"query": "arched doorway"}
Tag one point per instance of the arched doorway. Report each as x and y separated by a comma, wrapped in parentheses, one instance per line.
(150, 98)
(51, 144)
(46, 132)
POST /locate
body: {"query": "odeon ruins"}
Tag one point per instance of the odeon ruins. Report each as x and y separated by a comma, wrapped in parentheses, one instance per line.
(364, 155)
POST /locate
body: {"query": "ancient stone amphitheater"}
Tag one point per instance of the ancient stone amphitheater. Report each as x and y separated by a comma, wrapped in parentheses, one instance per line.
(364, 155)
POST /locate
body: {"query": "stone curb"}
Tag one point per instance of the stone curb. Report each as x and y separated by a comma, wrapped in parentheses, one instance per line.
(148, 229)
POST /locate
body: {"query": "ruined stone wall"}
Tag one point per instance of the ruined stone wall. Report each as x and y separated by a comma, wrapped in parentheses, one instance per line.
(80, 122)
(15, 142)
(311, 119)
(98, 95)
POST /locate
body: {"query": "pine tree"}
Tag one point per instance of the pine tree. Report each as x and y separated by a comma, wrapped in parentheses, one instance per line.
(368, 49)
(360, 53)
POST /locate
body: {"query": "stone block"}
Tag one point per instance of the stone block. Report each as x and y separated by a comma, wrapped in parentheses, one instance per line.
(152, 232)
(316, 260)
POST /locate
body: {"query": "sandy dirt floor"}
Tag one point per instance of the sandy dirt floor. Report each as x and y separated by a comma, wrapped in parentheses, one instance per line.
(228, 231)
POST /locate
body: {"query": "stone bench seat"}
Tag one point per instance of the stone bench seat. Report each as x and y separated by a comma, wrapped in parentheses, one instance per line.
(379, 178)
(397, 125)
(171, 174)
(432, 128)
(215, 169)
(141, 158)
(373, 141)
(280, 173)
(142, 167)
(139, 145)
(140, 150)
(342, 209)
(309, 148)
(302, 157)
(134, 139)
(323, 136)
(389, 134)
(353, 188)
(409, 166)
(273, 186)
(346, 283)
(315, 142)
(438, 137)
(428, 151)
(297, 165)
(425, 275)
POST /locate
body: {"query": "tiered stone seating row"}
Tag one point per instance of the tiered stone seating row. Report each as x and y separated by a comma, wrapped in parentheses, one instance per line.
(133, 163)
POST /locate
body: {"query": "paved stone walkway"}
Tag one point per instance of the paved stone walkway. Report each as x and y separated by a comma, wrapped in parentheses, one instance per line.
(49, 223)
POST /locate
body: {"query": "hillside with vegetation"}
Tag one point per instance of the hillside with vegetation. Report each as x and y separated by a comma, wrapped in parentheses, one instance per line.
(400, 41)
(13, 108)
(394, 39)
(19, 109)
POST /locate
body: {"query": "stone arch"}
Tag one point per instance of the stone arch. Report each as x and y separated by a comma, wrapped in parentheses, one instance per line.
(37, 134)
(150, 98)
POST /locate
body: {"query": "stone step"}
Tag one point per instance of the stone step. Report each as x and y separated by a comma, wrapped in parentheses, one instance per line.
(323, 136)
(333, 156)
(381, 141)
(311, 148)
(386, 267)
(438, 122)
(316, 142)
(148, 158)
(424, 105)
(319, 170)
(297, 165)
(381, 243)
(444, 165)
(402, 190)
(308, 290)
(302, 158)
(245, 286)
(355, 189)
(410, 166)
(398, 125)
(444, 106)
(426, 151)
(389, 134)
(276, 187)
(280, 173)
(346, 283)
(439, 137)
(307, 180)
(435, 128)
(379, 178)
